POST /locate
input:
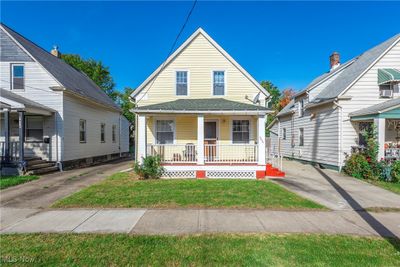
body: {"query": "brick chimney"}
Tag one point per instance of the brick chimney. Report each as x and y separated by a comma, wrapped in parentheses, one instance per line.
(55, 52)
(334, 60)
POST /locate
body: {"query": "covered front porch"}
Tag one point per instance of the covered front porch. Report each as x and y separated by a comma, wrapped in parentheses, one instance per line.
(385, 117)
(26, 131)
(205, 139)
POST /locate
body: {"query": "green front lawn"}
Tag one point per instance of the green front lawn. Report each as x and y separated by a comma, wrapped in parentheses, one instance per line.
(394, 187)
(124, 190)
(194, 250)
(8, 181)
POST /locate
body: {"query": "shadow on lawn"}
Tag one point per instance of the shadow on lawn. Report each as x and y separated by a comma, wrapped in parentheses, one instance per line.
(367, 217)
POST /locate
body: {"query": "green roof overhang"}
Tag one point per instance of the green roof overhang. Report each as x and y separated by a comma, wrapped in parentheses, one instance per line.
(390, 114)
(388, 75)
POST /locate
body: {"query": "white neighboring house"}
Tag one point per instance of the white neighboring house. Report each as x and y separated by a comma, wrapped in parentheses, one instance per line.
(325, 122)
(53, 113)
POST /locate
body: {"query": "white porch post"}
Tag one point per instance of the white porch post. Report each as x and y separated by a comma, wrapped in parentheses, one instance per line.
(200, 139)
(261, 139)
(21, 138)
(6, 135)
(380, 127)
(141, 136)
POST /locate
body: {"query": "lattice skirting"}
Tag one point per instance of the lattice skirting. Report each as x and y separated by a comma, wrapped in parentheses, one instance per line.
(179, 174)
(231, 174)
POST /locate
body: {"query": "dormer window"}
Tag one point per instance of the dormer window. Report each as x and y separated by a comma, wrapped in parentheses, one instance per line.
(17, 77)
(182, 83)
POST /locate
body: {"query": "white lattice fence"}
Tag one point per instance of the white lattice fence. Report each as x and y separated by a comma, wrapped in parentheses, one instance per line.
(179, 174)
(231, 174)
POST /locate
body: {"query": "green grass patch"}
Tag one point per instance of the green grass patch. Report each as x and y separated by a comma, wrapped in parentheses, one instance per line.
(123, 190)
(8, 181)
(198, 250)
(394, 187)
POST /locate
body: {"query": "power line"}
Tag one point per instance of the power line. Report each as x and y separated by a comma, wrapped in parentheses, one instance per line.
(35, 88)
(170, 51)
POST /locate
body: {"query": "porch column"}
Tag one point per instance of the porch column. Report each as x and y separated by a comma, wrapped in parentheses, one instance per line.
(200, 139)
(141, 136)
(21, 138)
(380, 128)
(261, 140)
(6, 135)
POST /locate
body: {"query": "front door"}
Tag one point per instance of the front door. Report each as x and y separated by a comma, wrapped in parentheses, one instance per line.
(210, 140)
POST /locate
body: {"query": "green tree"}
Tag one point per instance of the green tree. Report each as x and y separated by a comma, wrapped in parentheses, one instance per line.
(124, 100)
(275, 95)
(95, 70)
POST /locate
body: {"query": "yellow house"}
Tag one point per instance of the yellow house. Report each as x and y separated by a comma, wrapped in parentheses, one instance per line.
(203, 114)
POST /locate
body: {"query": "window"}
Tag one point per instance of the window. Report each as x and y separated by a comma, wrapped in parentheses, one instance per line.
(113, 133)
(301, 137)
(181, 83)
(165, 131)
(18, 76)
(34, 128)
(103, 133)
(301, 108)
(219, 83)
(82, 131)
(396, 88)
(284, 133)
(240, 131)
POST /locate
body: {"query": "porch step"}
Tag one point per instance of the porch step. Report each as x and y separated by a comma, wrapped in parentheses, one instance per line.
(35, 162)
(40, 165)
(274, 172)
(29, 159)
(43, 170)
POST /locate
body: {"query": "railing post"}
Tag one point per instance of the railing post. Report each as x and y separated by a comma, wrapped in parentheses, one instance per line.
(7, 135)
(142, 142)
(261, 139)
(200, 139)
(21, 139)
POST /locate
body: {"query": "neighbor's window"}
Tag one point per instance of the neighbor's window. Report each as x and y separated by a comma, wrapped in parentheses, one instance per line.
(219, 83)
(301, 137)
(240, 131)
(114, 128)
(103, 132)
(34, 128)
(284, 133)
(181, 83)
(301, 108)
(82, 131)
(18, 76)
(165, 131)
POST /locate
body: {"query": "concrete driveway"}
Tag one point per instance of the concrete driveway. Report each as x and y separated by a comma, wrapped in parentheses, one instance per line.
(334, 190)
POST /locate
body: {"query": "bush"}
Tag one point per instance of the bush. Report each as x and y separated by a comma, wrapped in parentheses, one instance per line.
(358, 166)
(396, 171)
(150, 168)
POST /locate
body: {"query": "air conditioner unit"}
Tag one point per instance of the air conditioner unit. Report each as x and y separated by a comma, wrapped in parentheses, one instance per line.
(386, 93)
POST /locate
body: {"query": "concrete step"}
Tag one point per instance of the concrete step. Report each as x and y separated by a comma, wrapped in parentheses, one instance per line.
(43, 170)
(42, 165)
(35, 162)
(29, 159)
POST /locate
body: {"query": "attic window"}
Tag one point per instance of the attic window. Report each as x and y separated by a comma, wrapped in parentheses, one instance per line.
(218, 82)
(18, 76)
(182, 83)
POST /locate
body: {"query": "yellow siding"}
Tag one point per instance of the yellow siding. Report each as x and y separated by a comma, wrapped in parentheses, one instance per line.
(200, 58)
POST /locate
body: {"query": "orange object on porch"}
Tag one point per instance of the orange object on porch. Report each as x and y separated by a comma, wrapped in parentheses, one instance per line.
(200, 174)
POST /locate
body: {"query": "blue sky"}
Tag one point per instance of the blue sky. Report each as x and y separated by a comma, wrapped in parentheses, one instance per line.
(288, 43)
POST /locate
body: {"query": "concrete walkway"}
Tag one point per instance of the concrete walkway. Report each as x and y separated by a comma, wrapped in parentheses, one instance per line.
(49, 188)
(334, 190)
(187, 221)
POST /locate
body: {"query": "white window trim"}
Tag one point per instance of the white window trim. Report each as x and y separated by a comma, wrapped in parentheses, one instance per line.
(12, 76)
(85, 129)
(299, 139)
(26, 129)
(225, 82)
(188, 83)
(105, 126)
(155, 129)
(114, 133)
(251, 137)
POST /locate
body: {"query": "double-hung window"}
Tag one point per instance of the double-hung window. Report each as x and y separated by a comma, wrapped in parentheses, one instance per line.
(165, 131)
(301, 107)
(218, 82)
(114, 128)
(301, 137)
(34, 128)
(82, 131)
(17, 76)
(240, 131)
(103, 133)
(284, 133)
(182, 83)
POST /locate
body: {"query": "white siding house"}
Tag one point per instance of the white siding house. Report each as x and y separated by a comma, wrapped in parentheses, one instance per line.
(43, 101)
(339, 103)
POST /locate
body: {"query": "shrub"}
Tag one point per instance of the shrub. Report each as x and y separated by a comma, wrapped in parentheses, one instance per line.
(150, 168)
(396, 171)
(358, 166)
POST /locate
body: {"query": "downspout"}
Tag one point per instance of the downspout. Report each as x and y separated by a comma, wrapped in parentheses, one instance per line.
(340, 140)
(119, 139)
(57, 156)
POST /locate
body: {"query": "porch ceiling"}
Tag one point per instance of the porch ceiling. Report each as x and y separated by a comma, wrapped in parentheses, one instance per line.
(14, 101)
(211, 105)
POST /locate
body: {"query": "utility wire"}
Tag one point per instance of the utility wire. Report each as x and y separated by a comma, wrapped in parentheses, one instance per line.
(35, 88)
(170, 51)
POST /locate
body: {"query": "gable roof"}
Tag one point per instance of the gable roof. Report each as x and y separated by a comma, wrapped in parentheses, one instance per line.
(361, 64)
(70, 78)
(378, 108)
(201, 105)
(182, 47)
(287, 109)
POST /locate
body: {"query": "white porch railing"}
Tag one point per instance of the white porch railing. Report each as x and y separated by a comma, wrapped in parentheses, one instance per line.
(14, 150)
(235, 153)
(170, 153)
(34, 149)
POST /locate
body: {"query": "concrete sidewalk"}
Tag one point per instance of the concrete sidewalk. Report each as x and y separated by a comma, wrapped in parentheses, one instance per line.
(186, 221)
